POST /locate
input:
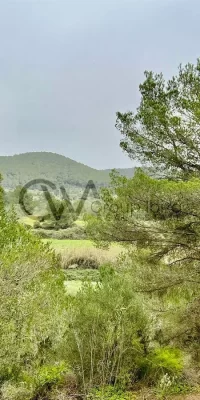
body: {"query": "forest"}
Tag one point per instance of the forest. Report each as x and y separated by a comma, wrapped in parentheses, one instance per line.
(116, 315)
(23, 168)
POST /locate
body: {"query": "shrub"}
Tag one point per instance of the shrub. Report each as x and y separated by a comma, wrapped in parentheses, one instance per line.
(50, 374)
(110, 393)
(37, 383)
(104, 332)
(75, 232)
(43, 378)
(168, 385)
(9, 391)
(160, 362)
(32, 304)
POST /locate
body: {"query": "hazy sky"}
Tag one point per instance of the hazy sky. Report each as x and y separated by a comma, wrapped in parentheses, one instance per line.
(66, 67)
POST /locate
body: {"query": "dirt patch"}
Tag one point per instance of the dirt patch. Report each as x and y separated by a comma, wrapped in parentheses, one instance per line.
(186, 397)
(148, 395)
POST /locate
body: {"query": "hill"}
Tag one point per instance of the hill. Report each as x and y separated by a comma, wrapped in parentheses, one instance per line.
(128, 172)
(23, 168)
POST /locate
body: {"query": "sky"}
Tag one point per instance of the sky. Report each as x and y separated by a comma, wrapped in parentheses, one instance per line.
(67, 67)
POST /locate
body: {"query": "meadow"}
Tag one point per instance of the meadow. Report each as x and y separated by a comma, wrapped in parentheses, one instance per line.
(69, 244)
(80, 260)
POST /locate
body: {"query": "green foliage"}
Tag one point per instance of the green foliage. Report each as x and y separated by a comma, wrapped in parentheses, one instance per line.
(10, 391)
(32, 302)
(158, 222)
(74, 233)
(60, 217)
(169, 385)
(168, 360)
(129, 324)
(164, 131)
(37, 383)
(110, 393)
(12, 198)
(160, 214)
(23, 168)
(45, 376)
(106, 326)
(2, 195)
(161, 362)
(91, 275)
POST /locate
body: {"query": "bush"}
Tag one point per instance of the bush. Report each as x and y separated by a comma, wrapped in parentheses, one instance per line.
(160, 362)
(103, 339)
(168, 385)
(110, 393)
(41, 381)
(9, 391)
(32, 310)
(75, 232)
(45, 377)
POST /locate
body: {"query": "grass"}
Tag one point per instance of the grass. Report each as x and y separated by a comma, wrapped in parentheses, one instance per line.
(73, 287)
(88, 257)
(80, 222)
(83, 253)
(82, 275)
(81, 259)
(28, 221)
(69, 244)
(76, 277)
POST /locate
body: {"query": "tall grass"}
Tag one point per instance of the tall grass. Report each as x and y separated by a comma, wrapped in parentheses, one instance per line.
(88, 257)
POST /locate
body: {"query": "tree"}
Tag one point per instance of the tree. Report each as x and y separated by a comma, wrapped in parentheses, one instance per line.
(12, 199)
(59, 215)
(159, 222)
(165, 129)
(2, 195)
(106, 327)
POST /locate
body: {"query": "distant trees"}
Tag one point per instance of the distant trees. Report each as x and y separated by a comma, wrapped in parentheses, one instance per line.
(23, 168)
(2, 198)
(12, 199)
(60, 214)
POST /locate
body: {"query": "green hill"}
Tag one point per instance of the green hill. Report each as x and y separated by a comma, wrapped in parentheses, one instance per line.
(22, 168)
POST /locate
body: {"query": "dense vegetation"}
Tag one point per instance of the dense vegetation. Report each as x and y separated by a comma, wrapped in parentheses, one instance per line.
(134, 321)
(23, 168)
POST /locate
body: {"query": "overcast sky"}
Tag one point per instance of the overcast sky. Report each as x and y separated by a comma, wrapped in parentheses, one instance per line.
(66, 67)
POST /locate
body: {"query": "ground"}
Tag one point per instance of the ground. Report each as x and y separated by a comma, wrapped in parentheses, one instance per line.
(188, 397)
(149, 396)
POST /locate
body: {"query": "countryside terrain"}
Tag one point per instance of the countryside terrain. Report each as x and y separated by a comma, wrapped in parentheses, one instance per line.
(103, 304)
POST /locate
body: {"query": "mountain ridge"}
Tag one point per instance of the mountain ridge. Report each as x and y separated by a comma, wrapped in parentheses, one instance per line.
(19, 169)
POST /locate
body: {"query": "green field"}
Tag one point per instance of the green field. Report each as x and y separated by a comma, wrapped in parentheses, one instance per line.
(69, 244)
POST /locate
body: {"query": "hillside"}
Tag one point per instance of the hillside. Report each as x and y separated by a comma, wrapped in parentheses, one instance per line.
(22, 168)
